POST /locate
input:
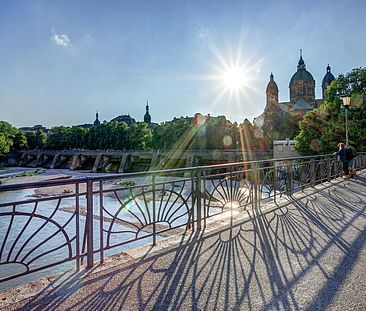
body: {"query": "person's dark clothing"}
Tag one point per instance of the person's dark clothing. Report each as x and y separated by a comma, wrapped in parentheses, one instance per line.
(342, 156)
(352, 154)
(352, 151)
(345, 168)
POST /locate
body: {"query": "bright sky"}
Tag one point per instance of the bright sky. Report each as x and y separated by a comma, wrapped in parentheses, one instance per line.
(60, 61)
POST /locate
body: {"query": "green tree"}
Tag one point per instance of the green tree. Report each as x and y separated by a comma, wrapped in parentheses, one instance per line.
(10, 139)
(5, 145)
(140, 136)
(20, 141)
(322, 129)
(58, 138)
(40, 139)
(31, 139)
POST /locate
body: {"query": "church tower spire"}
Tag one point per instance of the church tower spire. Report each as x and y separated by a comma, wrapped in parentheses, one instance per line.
(327, 80)
(272, 92)
(96, 122)
(272, 110)
(147, 117)
(301, 63)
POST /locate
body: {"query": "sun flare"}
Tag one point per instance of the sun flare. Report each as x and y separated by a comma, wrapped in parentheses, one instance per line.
(234, 78)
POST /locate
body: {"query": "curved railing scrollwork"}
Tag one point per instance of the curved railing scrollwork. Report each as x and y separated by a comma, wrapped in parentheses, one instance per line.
(79, 219)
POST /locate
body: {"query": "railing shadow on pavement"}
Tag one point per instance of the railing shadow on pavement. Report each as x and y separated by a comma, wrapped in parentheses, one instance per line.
(265, 262)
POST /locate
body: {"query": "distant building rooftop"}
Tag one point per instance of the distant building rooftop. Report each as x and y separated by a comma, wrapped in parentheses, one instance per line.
(34, 128)
(125, 118)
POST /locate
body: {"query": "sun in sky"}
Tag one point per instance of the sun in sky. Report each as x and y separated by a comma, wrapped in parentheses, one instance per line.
(235, 73)
(234, 78)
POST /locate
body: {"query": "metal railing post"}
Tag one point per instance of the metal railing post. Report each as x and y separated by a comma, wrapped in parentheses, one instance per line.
(231, 184)
(329, 170)
(89, 224)
(259, 184)
(312, 173)
(274, 181)
(101, 216)
(198, 198)
(205, 211)
(154, 210)
(193, 198)
(77, 220)
(289, 185)
(255, 182)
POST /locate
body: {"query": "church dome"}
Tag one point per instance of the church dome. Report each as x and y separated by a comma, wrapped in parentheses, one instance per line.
(301, 75)
(302, 85)
(328, 78)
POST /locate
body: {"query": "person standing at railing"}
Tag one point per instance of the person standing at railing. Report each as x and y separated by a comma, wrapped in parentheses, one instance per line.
(351, 157)
(342, 157)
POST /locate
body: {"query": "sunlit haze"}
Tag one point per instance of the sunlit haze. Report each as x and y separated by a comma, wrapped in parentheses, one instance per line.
(61, 61)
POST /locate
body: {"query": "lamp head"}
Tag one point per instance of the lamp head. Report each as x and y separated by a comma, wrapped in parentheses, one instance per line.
(346, 101)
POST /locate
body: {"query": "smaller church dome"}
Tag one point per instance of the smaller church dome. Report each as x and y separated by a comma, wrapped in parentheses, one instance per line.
(272, 85)
(96, 122)
(147, 116)
(328, 78)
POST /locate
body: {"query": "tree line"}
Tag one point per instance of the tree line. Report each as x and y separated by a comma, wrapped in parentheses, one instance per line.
(184, 133)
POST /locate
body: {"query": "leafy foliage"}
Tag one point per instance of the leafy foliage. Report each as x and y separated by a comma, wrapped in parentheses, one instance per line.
(10, 139)
(322, 129)
(203, 133)
(185, 133)
(110, 135)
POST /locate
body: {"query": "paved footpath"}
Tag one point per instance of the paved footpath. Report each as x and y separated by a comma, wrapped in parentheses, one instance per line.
(308, 255)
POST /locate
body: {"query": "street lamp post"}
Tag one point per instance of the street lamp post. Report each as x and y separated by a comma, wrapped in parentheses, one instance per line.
(346, 103)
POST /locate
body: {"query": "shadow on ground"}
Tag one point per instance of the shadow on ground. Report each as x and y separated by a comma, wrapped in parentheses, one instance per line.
(304, 256)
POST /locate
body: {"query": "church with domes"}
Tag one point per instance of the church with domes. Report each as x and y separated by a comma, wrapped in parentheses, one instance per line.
(280, 119)
(302, 91)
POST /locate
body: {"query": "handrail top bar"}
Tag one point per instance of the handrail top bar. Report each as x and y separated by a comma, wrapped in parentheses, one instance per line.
(68, 181)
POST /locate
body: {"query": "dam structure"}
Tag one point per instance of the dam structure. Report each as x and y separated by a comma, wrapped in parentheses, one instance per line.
(112, 161)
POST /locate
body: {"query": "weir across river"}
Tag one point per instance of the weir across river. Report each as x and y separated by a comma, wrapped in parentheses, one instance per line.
(130, 161)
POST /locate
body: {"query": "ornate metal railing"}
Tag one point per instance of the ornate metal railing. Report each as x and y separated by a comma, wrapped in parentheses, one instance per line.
(52, 223)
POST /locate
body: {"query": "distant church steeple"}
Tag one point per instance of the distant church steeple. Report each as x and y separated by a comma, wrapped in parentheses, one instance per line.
(96, 122)
(147, 117)
(272, 92)
(327, 80)
(301, 63)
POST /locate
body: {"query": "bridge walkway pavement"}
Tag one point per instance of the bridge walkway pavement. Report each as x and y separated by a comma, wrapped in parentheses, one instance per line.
(307, 255)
